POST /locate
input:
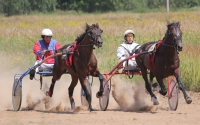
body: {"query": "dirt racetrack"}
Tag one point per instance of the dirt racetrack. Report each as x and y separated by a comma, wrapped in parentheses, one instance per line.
(135, 106)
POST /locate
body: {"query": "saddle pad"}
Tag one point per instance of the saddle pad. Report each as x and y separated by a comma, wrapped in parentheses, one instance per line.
(70, 56)
(152, 48)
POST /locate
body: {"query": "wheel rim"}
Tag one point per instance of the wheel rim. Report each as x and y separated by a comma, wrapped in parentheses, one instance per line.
(104, 99)
(173, 95)
(16, 95)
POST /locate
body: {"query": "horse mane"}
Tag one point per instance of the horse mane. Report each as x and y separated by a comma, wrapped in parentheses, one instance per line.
(81, 37)
(78, 39)
(172, 23)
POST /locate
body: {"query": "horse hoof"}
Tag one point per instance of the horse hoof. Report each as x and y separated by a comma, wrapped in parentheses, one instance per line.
(73, 106)
(99, 94)
(163, 92)
(155, 101)
(91, 109)
(154, 85)
(48, 93)
(72, 103)
(188, 100)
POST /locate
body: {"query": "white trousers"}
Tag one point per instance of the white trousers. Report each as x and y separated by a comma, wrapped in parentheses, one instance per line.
(131, 65)
(44, 66)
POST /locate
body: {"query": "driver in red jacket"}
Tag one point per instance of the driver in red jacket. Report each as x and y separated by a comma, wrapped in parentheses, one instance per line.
(44, 48)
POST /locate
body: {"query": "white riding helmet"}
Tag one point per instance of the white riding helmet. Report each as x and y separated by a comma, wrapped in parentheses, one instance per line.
(46, 32)
(128, 31)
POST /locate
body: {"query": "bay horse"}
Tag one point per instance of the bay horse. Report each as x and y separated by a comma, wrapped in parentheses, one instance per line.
(84, 63)
(165, 63)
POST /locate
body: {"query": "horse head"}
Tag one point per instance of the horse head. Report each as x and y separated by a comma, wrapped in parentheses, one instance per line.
(175, 33)
(95, 34)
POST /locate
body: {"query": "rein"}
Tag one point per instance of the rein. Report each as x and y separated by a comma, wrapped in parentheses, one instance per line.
(86, 45)
(173, 46)
(169, 45)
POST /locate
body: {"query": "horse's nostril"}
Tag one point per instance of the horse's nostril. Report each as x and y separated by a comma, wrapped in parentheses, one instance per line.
(180, 48)
(98, 42)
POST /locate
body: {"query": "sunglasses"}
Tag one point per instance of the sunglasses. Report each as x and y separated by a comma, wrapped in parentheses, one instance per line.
(129, 36)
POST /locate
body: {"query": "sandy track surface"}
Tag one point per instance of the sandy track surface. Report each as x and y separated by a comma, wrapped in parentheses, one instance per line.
(129, 104)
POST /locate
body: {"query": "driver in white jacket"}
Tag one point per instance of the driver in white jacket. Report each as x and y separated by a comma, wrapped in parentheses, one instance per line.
(126, 49)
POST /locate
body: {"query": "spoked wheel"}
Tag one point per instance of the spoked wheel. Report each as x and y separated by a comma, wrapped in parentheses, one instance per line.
(172, 93)
(84, 101)
(16, 95)
(104, 99)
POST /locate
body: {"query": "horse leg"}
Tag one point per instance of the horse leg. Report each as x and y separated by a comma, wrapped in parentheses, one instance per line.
(101, 89)
(154, 85)
(181, 86)
(71, 90)
(56, 76)
(50, 92)
(163, 90)
(148, 86)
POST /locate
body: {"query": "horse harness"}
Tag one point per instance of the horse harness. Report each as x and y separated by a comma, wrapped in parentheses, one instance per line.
(152, 53)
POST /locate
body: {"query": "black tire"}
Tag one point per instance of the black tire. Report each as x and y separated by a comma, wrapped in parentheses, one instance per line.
(16, 95)
(84, 101)
(172, 93)
(104, 99)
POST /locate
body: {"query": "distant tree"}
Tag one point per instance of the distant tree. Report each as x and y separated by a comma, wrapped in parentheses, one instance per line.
(155, 4)
(63, 4)
(15, 7)
(88, 5)
(183, 3)
(43, 5)
(192, 3)
(99, 5)
(1, 6)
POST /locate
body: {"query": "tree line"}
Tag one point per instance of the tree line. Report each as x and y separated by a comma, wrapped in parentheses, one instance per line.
(18, 7)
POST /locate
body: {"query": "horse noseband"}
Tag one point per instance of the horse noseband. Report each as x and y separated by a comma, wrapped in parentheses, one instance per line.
(94, 40)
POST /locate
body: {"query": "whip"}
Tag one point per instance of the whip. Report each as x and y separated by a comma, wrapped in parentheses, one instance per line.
(24, 35)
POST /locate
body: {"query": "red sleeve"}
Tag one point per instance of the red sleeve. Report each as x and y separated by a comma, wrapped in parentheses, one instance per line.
(36, 48)
(57, 46)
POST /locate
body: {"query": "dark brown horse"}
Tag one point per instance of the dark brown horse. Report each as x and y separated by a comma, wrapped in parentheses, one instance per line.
(84, 63)
(166, 61)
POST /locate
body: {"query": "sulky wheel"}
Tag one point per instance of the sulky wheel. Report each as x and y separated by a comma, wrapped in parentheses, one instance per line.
(172, 93)
(104, 99)
(16, 95)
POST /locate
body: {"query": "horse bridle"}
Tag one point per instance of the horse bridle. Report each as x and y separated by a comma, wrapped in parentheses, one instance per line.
(92, 39)
(174, 45)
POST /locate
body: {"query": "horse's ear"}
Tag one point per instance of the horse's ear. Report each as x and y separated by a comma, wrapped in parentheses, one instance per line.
(97, 25)
(87, 26)
(179, 24)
